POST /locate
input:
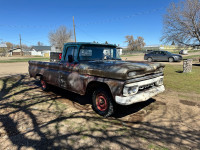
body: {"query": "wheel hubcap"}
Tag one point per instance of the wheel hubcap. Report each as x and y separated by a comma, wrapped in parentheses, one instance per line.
(101, 103)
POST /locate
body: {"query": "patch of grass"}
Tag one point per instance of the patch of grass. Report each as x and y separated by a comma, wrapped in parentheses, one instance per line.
(24, 60)
(128, 55)
(84, 137)
(182, 82)
(191, 57)
(156, 147)
(123, 130)
(193, 51)
(188, 97)
(184, 96)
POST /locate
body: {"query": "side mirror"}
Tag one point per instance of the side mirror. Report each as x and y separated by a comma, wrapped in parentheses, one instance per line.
(70, 58)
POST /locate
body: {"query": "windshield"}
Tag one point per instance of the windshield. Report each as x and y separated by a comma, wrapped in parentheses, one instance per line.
(98, 53)
(168, 53)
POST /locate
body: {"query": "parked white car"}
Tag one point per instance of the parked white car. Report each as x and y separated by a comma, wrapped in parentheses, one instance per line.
(183, 52)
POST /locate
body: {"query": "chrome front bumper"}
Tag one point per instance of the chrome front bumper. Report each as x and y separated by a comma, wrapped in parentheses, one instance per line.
(139, 97)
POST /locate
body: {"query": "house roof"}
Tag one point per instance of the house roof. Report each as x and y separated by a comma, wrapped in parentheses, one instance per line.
(41, 48)
(11, 50)
(3, 45)
(26, 50)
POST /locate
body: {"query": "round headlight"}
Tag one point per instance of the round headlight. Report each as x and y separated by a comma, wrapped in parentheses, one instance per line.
(159, 82)
(130, 90)
(130, 74)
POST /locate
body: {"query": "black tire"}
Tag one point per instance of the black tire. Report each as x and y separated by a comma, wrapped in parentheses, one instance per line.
(171, 59)
(149, 59)
(44, 84)
(102, 103)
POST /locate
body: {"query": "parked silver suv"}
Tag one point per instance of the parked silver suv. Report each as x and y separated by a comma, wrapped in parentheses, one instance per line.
(162, 56)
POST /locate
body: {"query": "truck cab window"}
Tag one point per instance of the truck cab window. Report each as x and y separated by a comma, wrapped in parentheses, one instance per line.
(71, 51)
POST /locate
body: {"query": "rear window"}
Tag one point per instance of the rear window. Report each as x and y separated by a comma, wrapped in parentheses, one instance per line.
(98, 53)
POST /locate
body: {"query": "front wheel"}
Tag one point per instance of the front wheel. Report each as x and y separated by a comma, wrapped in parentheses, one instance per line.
(149, 59)
(171, 59)
(102, 102)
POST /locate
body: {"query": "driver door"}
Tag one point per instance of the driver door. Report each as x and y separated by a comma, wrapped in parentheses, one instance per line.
(67, 68)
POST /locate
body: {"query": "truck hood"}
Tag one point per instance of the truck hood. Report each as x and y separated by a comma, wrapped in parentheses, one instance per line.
(118, 69)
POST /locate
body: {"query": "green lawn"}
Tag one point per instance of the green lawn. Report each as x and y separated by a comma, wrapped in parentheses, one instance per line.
(191, 57)
(182, 82)
(128, 55)
(24, 59)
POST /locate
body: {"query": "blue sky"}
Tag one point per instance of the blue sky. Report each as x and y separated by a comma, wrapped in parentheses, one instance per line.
(96, 20)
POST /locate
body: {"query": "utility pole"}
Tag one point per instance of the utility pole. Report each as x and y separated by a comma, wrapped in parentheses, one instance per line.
(20, 40)
(74, 30)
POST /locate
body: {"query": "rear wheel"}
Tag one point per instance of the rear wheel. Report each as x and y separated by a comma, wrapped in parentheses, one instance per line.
(102, 102)
(44, 84)
(171, 59)
(149, 59)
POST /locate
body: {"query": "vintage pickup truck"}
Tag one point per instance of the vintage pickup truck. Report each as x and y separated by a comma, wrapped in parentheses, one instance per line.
(97, 70)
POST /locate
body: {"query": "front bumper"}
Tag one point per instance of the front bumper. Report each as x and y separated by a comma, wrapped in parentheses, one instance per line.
(139, 97)
(178, 59)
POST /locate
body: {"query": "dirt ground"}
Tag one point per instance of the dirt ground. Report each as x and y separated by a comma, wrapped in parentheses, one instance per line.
(7, 69)
(33, 119)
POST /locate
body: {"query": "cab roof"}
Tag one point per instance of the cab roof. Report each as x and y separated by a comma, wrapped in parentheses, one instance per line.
(89, 43)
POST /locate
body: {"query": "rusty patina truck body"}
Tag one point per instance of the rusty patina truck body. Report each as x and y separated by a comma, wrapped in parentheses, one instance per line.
(97, 70)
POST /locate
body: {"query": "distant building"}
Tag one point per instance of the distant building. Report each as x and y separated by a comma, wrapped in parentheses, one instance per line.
(41, 51)
(166, 47)
(152, 47)
(56, 49)
(119, 50)
(3, 45)
(14, 52)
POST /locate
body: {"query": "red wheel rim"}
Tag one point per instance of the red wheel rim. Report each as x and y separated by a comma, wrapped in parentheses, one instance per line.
(101, 102)
(43, 84)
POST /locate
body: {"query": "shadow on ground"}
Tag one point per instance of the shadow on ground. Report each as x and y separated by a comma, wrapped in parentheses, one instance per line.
(196, 64)
(121, 111)
(31, 118)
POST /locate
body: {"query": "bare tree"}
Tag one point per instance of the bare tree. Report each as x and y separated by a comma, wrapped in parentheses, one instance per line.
(60, 36)
(24, 46)
(182, 23)
(130, 41)
(137, 44)
(9, 45)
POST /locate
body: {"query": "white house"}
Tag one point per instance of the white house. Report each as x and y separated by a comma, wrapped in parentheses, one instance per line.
(119, 49)
(55, 49)
(15, 52)
(41, 51)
